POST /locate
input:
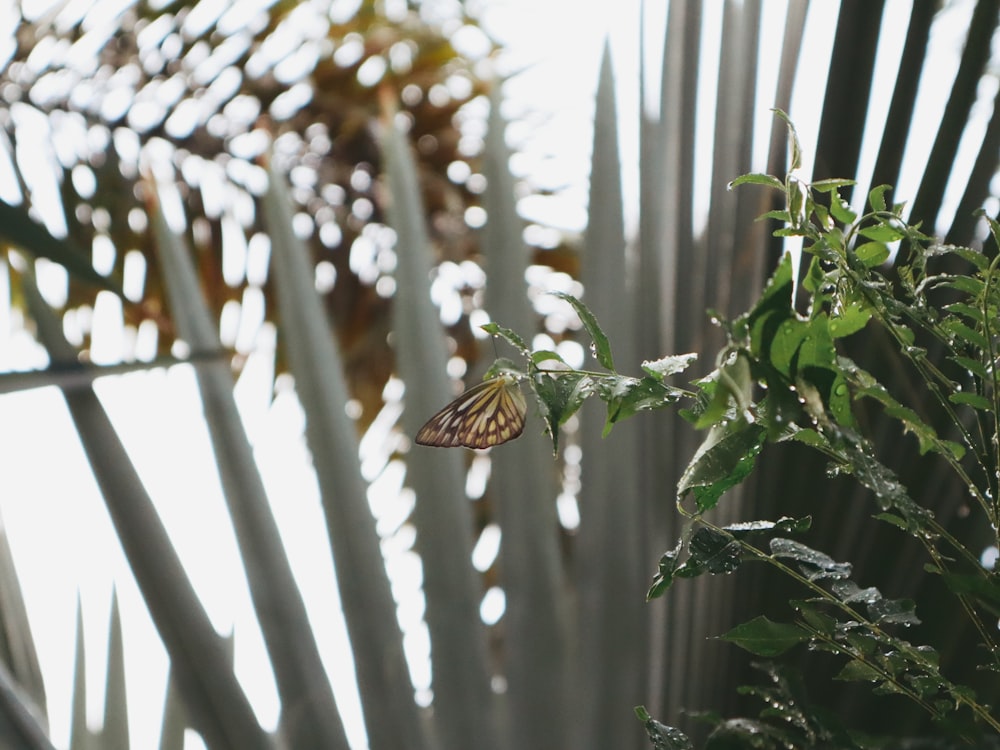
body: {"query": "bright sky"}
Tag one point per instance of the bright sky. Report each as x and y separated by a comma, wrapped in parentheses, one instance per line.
(52, 512)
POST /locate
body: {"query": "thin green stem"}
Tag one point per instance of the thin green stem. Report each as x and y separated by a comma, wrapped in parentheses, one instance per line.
(995, 394)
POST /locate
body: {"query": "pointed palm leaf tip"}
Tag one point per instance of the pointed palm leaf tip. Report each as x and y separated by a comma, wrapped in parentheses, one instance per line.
(487, 414)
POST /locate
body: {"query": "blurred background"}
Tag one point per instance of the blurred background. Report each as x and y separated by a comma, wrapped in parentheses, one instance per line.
(248, 248)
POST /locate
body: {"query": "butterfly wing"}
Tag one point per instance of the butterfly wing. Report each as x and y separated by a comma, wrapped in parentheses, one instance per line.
(487, 414)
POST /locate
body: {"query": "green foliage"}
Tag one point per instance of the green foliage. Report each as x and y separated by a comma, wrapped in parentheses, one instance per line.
(783, 376)
(561, 390)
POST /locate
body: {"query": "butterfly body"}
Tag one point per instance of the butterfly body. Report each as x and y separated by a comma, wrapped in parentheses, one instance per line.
(487, 414)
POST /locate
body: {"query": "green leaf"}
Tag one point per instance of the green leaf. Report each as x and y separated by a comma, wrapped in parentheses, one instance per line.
(729, 389)
(662, 736)
(974, 366)
(559, 397)
(815, 565)
(773, 307)
(893, 519)
(872, 254)
(790, 231)
(817, 349)
(840, 209)
(819, 621)
(545, 355)
(971, 285)
(812, 438)
(850, 593)
(714, 552)
(889, 491)
(876, 197)
(502, 365)
(780, 215)
(757, 179)
(894, 611)
(785, 344)
(799, 205)
(625, 396)
(793, 140)
(975, 257)
(601, 348)
(723, 460)
(815, 278)
(882, 233)
(784, 525)
(666, 366)
(971, 399)
(664, 578)
(849, 320)
(840, 401)
(974, 314)
(858, 671)
(830, 184)
(974, 338)
(511, 337)
(925, 434)
(767, 638)
(862, 641)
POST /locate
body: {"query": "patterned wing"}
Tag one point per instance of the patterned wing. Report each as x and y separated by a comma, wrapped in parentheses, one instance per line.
(487, 414)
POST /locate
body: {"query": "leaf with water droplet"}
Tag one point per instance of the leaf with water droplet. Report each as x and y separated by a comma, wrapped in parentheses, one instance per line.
(756, 178)
(971, 285)
(546, 355)
(711, 552)
(626, 396)
(559, 397)
(840, 402)
(872, 254)
(664, 578)
(785, 344)
(666, 366)
(662, 736)
(882, 232)
(601, 347)
(849, 320)
(840, 208)
(815, 565)
(722, 461)
(850, 593)
(508, 335)
(972, 399)
(971, 312)
(876, 197)
(972, 366)
(858, 671)
(814, 618)
(783, 524)
(894, 611)
(969, 336)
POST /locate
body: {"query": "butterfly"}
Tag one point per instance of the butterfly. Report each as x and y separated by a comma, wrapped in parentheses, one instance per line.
(487, 414)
